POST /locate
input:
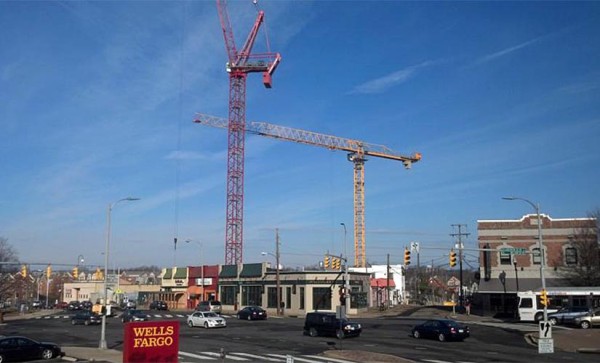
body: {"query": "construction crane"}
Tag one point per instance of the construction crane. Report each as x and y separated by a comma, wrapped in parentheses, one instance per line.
(239, 64)
(357, 153)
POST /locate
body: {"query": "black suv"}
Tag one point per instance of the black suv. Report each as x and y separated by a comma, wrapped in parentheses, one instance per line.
(327, 324)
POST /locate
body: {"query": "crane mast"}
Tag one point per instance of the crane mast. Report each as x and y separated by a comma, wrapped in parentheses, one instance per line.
(238, 66)
(357, 153)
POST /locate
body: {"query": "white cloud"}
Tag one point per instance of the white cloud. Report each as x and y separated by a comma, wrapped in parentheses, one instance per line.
(382, 84)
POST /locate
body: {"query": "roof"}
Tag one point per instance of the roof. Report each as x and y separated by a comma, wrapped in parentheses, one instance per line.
(228, 271)
(251, 270)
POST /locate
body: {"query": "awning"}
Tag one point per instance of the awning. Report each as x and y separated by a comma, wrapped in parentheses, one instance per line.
(382, 282)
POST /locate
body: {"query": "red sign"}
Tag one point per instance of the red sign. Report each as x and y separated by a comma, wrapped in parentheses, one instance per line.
(151, 341)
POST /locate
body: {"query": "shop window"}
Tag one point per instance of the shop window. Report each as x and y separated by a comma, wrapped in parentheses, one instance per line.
(321, 298)
(536, 256)
(571, 256)
(505, 258)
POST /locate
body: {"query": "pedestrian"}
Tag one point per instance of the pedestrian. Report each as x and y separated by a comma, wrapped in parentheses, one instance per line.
(468, 307)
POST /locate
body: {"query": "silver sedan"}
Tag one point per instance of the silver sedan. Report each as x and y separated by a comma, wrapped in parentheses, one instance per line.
(207, 319)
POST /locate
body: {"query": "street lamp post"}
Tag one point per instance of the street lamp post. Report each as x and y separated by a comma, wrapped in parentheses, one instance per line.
(201, 267)
(536, 207)
(346, 276)
(103, 344)
(277, 280)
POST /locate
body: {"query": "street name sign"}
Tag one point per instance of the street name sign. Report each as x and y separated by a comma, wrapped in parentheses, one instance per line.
(514, 251)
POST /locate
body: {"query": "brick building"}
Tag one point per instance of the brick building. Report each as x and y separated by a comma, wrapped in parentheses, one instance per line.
(512, 260)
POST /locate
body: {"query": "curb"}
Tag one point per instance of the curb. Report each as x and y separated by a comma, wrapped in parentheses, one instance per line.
(588, 350)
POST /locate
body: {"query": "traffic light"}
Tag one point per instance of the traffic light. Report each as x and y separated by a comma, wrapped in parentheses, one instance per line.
(48, 271)
(326, 261)
(342, 292)
(75, 272)
(24, 271)
(406, 257)
(544, 298)
(338, 264)
(452, 258)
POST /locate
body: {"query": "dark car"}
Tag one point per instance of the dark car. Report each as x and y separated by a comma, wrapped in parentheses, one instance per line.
(15, 349)
(86, 305)
(252, 313)
(74, 305)
(134, 315)
(567, 315)
(86, 318)
(158, 305)
(317, 324)
(442, 330)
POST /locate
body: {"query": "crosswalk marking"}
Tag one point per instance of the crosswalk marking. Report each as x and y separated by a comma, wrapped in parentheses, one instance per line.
(191, 355)
(329, 359)
(262, 357)
(303, 359)
(229, 356)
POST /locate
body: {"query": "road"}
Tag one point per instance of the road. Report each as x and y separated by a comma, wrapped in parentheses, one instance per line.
(273, 339)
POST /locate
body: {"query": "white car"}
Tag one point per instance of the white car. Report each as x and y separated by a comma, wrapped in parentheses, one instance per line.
(207, 319)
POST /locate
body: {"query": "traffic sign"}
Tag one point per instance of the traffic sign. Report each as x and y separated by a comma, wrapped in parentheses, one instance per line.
(514, 251)
(545, 345)
(414, 247)
(545, 330)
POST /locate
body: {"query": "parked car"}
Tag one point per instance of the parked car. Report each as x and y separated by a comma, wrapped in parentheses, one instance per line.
(567, 315)
(588, 320)
(86, 317)
(158, 305)
(317, 323)
(207, 319)
(441, 329)
(86, 305)
(74, 305)
(17, 348)
(252, 313)
(62, 305)
(134, 315)
(36, 304)
(213, 305)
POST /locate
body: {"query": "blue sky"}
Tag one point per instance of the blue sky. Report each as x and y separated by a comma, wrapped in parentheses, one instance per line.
(97, 100)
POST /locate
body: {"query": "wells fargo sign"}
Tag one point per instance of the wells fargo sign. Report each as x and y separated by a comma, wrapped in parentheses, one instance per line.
(151, 341)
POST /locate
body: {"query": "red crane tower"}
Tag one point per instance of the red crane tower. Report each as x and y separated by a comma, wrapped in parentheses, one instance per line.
(239, 64)
(357, 154)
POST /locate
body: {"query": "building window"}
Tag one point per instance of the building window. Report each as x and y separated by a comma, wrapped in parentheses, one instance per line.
(301, 298)
(505, 258)
(272, 297)
(228, 295)
(536, 256)
(252, 295)
(571, 256)
(321, 298)
(288, 297)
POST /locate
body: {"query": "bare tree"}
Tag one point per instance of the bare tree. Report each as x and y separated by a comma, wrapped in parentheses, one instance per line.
(586, 272)
(8, 267)
(7, 255)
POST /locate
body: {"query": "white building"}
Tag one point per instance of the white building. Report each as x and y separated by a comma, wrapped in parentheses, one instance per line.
(395, 285)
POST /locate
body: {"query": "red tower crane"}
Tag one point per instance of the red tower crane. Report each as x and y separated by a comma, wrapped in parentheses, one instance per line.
(357, 153)
(239, 64)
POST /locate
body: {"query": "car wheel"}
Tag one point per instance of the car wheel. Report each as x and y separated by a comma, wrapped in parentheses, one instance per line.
(313, 332)
(249, 317)
(416, 334)
(339, 334)
(441, 337)
(73, 322)
(553, 321)
(206, 324)
(47, 354)
(1, 358)
(585, 324)
(86, 323)
(190, 323)
(239, 317)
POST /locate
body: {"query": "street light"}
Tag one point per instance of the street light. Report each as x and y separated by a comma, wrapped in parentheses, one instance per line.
(277, 283)
(201, 266)
(536, 207)
(346, 276)
(103, 344)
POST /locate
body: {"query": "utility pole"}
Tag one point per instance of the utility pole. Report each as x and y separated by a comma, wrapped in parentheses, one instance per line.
(278, 282)
(387, 289)
(460, 234)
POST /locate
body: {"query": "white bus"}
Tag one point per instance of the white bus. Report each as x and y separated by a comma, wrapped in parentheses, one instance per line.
(530, 309)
